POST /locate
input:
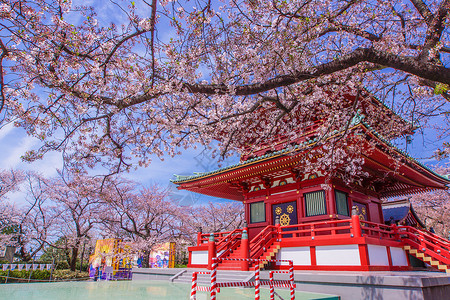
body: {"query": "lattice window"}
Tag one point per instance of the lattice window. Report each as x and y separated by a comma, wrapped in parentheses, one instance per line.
(315, 203)
(341, 203)
(257, 212)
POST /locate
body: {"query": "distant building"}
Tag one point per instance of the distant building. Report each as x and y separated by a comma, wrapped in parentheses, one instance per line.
(7, 253)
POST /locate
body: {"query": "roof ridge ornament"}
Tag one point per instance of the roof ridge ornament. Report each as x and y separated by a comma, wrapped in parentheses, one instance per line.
(181, 177)
(357, 118)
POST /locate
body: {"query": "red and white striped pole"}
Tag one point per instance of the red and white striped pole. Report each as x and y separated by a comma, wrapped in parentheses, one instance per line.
(291, 279)
(194, 286)
(257, 282)
(271, 288)
(213, 278)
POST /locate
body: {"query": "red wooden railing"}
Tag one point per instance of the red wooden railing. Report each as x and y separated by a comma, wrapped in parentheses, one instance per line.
(376, 230)
(326, 229)
(204, 237)
(263, 241)
(229, 242)
(423, 241)
(426, 242)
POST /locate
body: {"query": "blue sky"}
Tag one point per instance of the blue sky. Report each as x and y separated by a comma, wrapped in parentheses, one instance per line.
(14, 142)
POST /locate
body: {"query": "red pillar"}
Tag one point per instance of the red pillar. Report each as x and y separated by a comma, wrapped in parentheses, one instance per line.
(278, 226)
(356, 225)
(357, 233)
(244, 250)
(211, 250)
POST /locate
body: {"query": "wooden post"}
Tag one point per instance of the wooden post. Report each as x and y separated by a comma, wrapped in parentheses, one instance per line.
(278, 225)
(271, 288)
(356, 223)
(244, 251)
(211, 250)
(199, 236)
(194, 286)
(257, 281)
(395, 231)
(213, 290)
(7, 275)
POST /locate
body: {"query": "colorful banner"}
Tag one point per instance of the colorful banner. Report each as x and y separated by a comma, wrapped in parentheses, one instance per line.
(159, 256)
(172, 255)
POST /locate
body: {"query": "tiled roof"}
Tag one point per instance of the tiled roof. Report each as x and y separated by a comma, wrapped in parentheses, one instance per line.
(358, 119)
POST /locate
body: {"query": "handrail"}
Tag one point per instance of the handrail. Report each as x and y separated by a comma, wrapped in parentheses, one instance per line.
(262, 240)
(427, 243)
(311, 230)
(226, 242)
(424, 241)
(204, 237)
(377, 230)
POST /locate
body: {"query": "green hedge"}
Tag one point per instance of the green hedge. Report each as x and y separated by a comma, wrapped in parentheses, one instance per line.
(36, 275)
(67, 274)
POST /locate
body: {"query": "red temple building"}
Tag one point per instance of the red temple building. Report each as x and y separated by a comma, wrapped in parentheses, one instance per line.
(317, 220)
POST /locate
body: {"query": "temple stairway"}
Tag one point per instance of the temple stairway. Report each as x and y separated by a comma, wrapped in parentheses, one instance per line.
(269, 254)
(230, 264)
(441, 266)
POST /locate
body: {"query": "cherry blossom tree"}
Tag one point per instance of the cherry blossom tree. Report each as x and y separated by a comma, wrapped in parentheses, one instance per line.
(34, 220)
(170, 75)
(23, 226)
(75, 209)
(9, 182)
(9, 216)
(215, 217)
(144, 216)
(8, 225)
(433, 208)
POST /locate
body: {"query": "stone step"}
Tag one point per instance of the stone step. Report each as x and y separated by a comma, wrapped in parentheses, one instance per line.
(422, 256)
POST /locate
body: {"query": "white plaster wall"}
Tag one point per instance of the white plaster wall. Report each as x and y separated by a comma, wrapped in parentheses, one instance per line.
(300, 256)
(378, 255)
(199, 258)
(339, 255)
(398, 256)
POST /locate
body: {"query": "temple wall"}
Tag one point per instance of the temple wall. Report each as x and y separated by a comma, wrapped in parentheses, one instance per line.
(199, 258)
(378, 255)
(301, 256)
(398, 256)
(338, 255)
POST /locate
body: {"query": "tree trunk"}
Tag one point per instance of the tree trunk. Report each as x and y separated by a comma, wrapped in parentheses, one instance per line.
(73, 259)
(145, 259)
(24, 256)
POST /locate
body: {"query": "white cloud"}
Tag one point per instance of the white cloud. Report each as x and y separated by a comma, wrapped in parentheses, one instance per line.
(13, 159)
(5, 130)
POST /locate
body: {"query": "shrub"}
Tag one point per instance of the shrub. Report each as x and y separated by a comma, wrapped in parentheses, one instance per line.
(84, 268)
(62, 265)
(67, 274)
(24, 275)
